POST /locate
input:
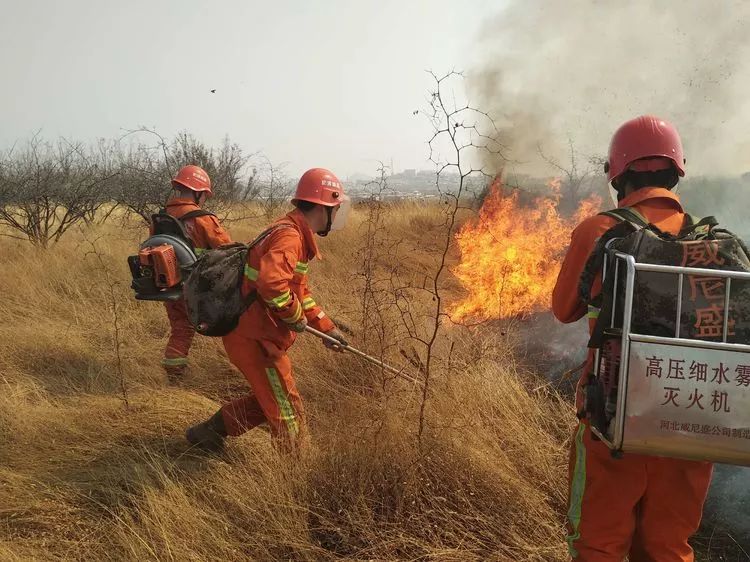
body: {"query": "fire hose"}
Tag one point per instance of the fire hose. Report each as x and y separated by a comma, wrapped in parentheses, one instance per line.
(375, 361)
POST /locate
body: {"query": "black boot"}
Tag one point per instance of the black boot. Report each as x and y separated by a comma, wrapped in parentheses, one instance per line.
(175, 374)
(208, 435)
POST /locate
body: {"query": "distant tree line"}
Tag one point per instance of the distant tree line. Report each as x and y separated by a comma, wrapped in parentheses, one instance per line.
(49, 186)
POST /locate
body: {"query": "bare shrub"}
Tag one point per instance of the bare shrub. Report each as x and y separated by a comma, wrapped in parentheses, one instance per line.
(46, 188)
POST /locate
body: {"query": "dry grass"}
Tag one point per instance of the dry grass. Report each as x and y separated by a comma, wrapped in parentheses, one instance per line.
(82, 477)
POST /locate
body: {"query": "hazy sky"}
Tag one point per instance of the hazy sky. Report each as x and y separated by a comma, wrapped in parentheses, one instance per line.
(330, 83)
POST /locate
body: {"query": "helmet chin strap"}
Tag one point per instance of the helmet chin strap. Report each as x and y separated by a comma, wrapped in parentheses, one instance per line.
(324, 233)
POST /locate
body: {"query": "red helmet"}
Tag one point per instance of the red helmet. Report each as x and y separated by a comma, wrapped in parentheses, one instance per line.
(194, 178)
(319, 186)
(645, 137)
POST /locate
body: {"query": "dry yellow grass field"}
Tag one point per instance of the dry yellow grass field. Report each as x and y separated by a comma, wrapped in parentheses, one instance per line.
(86, 476)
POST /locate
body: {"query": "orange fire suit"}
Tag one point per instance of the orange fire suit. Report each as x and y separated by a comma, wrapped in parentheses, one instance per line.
(277, 270)
(641, 506)
(206, 233)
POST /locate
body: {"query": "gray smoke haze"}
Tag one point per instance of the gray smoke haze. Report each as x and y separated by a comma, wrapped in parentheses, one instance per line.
(576, 70)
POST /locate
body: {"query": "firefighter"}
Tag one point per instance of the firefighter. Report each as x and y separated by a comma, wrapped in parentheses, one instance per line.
(190, 189)
(638, 506)
(277, 270)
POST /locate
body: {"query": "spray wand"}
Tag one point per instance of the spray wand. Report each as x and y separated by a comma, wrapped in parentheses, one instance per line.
(398, 372)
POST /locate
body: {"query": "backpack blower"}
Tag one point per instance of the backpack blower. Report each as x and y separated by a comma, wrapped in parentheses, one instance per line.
(164, 259)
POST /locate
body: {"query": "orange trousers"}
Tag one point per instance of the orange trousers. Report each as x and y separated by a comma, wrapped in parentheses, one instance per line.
(641, 506)
(273, 398)
(180, 337)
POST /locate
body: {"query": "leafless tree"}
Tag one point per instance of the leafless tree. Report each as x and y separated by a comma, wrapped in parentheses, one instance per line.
(269, 185)
(463, 138)
(47, 188)
(579, 179)
(147, 168)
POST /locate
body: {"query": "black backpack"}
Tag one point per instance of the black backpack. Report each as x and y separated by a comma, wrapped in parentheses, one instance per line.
(212, 290)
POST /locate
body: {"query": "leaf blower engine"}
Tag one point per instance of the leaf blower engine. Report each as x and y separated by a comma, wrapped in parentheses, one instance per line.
(158, 270)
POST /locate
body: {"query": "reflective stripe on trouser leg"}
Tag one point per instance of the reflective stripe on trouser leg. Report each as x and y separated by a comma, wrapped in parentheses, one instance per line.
(577, 488)
(282, 399)
(268, 370)
(174, 361)
(604, 497)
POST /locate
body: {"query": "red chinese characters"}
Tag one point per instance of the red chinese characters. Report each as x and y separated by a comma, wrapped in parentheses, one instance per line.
(706, 292)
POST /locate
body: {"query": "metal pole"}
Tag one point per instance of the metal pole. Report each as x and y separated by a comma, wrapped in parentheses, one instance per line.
(363, 355)
(725, 328)
(679, 305)
(622, 382)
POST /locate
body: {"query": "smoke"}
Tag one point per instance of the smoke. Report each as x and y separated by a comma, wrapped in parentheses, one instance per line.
(728, 505)
(554, 348)
(555, 72)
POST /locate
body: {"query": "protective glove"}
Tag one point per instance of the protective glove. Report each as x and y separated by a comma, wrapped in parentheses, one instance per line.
(336, 334)
(299, 326)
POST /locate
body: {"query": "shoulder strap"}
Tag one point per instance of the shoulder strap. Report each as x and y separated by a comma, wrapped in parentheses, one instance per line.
(627, 214)
(263, 235)
(251, 296)
(628, 221)
(164, 223)
(699, 227)
(195, 214)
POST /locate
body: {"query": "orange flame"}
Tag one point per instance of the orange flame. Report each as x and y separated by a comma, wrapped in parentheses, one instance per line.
(511, 254)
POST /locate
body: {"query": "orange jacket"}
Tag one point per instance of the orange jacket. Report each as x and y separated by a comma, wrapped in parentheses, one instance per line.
(658, 205)
(205, 232)
(277, 269)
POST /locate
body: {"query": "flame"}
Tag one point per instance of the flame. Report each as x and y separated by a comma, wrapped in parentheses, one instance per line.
(511, 253)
